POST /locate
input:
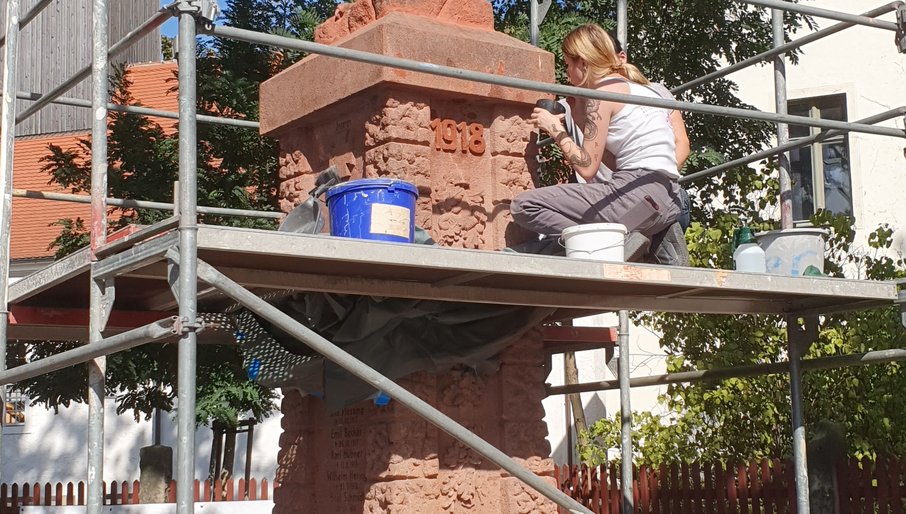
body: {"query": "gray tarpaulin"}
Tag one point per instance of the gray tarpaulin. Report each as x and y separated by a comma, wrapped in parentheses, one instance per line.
(395, 336)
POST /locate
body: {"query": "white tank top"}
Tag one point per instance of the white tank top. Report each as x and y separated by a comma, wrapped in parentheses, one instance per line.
(641, 137)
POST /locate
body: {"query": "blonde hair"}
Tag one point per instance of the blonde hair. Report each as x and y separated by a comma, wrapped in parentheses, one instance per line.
(595, 46)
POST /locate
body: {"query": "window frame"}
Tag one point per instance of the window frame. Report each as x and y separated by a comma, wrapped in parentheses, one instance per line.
(815, 105)
(19, 402)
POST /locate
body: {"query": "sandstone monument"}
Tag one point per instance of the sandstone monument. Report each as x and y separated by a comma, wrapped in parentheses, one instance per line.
(463, 145)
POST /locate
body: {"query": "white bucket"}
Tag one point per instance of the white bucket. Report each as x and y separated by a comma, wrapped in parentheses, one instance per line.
(598, 241)
(789, 252)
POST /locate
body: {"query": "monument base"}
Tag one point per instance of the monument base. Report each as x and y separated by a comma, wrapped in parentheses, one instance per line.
(370, 459)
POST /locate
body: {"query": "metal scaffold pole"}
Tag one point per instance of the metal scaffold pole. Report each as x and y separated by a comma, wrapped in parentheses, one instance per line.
(783, 130)
(123, 44)
(100, 291)
(129, 203)
(531, 85)
(625, 415)
(136, 109)
(533, 22)
(7, 144)
(792, 45)
(622, 23)
(537, 12)
(623, 338)
(186, 287)
(798, 341)
(805, 141)
(824, 13)
(840, 361)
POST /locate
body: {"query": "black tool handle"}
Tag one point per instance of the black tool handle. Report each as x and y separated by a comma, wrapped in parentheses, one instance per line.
(552, 106)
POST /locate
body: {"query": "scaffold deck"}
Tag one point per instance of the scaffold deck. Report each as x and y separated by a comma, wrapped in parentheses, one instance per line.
(268, 260)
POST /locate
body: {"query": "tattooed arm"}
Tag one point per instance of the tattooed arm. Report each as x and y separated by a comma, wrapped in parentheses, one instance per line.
(584, 159)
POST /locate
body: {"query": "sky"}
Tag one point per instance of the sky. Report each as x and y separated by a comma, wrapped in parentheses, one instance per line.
(169, 28)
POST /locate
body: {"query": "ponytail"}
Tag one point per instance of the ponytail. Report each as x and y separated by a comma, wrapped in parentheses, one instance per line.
(632, 73)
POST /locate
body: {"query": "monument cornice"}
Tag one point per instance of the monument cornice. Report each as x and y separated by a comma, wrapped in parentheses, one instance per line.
(313, 84)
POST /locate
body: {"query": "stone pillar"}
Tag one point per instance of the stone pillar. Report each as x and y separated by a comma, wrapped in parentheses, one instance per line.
(155, 472)
(463, 144)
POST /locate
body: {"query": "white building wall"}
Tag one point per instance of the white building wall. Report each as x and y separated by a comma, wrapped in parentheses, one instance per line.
(863, 63)
(646, 358)
(52, 447)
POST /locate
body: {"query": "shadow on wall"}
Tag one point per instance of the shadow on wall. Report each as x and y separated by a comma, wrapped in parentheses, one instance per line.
(54, 447)
(594, 410)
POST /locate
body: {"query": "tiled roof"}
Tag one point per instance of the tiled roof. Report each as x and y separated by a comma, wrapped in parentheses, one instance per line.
(32, 229)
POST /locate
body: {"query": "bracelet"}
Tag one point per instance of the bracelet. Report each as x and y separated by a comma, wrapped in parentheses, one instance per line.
(560, 135)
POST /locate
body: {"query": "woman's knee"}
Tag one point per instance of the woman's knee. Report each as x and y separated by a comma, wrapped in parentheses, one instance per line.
(518, 208)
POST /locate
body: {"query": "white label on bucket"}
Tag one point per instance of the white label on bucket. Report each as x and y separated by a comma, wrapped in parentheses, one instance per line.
(391, 220)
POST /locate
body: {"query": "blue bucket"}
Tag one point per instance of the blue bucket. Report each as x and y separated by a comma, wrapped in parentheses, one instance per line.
(380, 209)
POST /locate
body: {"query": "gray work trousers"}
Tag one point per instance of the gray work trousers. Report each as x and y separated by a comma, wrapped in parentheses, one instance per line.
(550, 210)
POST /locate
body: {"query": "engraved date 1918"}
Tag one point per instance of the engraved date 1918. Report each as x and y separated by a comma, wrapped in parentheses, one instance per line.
(450, 136)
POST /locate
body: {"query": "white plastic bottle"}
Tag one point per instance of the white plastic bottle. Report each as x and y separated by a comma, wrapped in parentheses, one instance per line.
(748, 256)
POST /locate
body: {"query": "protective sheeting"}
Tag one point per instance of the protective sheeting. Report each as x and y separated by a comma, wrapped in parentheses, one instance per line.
(395, 336)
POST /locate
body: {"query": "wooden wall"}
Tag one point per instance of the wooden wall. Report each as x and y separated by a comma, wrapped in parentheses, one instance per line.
(57, 44)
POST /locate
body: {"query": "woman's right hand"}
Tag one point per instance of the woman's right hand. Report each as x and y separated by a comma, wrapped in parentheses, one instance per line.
(548, 122)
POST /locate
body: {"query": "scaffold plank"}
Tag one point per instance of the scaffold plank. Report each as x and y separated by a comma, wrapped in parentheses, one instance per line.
(271, 260)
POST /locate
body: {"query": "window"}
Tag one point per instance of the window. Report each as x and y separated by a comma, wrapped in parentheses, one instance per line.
(821, 171)
(14, 413)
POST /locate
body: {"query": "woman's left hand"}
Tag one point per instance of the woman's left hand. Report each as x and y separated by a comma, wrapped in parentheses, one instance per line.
(548, 122)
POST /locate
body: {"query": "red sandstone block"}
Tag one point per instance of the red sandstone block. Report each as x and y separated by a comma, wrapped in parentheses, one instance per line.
(428, 8)
(522, 499)
(408, 121)
(400, 450)
(510, 132)
(471, 490)
(477, 13)
(400, 160)
(318, 81)
(528, 349)
(403, 496)
(360, 13)
(541, 466)
(525, 438)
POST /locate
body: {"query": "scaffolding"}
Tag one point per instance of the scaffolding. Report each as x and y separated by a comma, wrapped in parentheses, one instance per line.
(179, 247)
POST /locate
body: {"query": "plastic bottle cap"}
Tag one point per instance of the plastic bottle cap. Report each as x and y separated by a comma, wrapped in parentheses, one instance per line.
(745, 236)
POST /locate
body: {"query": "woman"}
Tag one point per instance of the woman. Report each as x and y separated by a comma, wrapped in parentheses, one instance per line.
(640, 139)
(680, 137)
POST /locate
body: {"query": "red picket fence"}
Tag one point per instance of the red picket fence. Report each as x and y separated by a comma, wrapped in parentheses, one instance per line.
(124, 493)
(876, 488)
(765, 487)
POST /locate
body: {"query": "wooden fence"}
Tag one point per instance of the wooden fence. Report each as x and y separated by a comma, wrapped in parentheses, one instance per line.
(124, 493)
(765, 487)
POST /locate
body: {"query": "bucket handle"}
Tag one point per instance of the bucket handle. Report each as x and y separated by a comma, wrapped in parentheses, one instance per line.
(614, 245)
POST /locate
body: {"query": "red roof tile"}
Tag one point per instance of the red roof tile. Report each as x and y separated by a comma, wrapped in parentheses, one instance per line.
(32, 230)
